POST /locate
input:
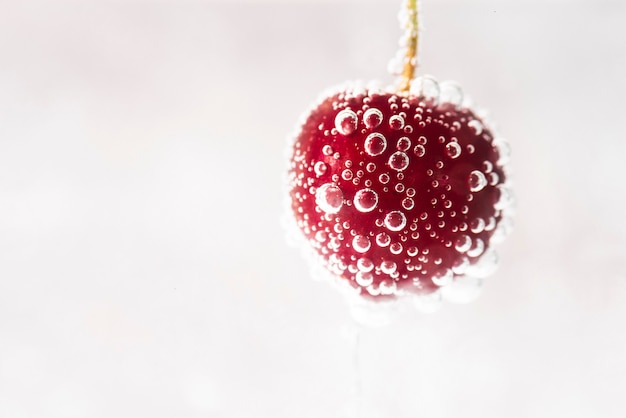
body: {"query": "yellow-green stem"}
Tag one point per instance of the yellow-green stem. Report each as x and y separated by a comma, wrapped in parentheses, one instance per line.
(410, 59)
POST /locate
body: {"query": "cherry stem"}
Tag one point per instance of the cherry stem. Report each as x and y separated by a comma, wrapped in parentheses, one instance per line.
(412, 35)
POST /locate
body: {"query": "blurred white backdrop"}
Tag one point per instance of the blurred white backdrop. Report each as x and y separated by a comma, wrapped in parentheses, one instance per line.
(143, 271)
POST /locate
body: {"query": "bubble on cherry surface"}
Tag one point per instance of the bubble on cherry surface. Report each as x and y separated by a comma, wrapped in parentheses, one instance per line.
(477, 248)
(419, 150)
(346, 122)
(451, 92)
(477, 181)
(396, 122)
(372, 118)
(426, 87)
(383, 239)
(463, 244)
(403, 144)
(327, 150)
(329, 198)
(399, 161)
(408, 203)
(453, 150)
(384, 178)
(347, 174)
(395, 221)
(387, 287)
(365, 265)
(505, 198)
(320, 168)
(463, 289)
(485, 266)
(476, 126)
(443, 278)
(395, 248)
(361, 243)
(365, 200)
(375, 144)
(477, 225)
(504, 150)
(388, 267)
(364, 279)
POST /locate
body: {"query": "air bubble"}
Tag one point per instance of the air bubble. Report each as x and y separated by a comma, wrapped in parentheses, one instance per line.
(365, 265)
(387, 287)
(329, 198)
(395, 221)
(408, 203)
(388, 267)
(347, 175)
(384, 178)
(372, 118)
(477, 181)
(346, 122)
(370, 167)
(365, 200)
(320, 168)
(419, 150)
(477, 225)
(327, 150)
(375, 144)
(321, 236)
(444, 278)
(453, 150)
(395, 248)
(403, 144)
(383, 239)
(477, 249)
(361, 243)
(476, 126)
(463, 243)
(505, 200)
(364, 279)
(399, 161)
(396, 122)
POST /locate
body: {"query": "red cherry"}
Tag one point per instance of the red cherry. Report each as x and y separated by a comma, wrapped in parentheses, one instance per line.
(396, 194)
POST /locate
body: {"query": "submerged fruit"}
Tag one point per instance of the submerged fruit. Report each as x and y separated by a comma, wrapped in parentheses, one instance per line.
(397, 193)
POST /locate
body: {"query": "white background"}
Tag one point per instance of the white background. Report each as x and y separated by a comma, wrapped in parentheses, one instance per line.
(143, 270)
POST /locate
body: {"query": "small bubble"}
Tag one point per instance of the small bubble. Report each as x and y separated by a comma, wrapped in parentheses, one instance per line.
(487, 166)
(419, 150)
(321, 236)
(453, 150)
(477, 225)
(361, 243)
(412, 251)
(395, 220)
(477, 249)
(364, 279)
(375, 144)
(399, 188)
(403, 144)
(463, 243)
(320, 168)
(395, 248)
(444, 278)
(399, 161)
(388, 267)
(396, 122)
(346, 122)
(365, 200)
(477, 181)
(327, 150)
(505, 199)
(476, 126)
(329, 198)
(387, 287)
(410, 192)
(365, 265)
(370, 167)
(384, 178)
(346, 175)
(383, 239)
(372, 118)
(493, 178)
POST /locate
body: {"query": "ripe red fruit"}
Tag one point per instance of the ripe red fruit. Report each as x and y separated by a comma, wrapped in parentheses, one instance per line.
(396, 194)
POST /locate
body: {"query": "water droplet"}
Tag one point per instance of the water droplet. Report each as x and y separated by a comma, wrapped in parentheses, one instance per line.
(477, 181)
(476, 126)
(346, 175)
(384, 178)
(395, 220)
(329, 198)
(383, 239)
(364, 279)
(365, 200)
(372, 118)
(453, 149)
(346, 122)
(388, 267)
(477, 249)
(361, 243)
(419, 150)
(320, 168)
(365, 265)
(463, 243)
(399, 161)
(375, 144)
(403, 144)
(395, 248)
(396, 122)
(327, 150)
